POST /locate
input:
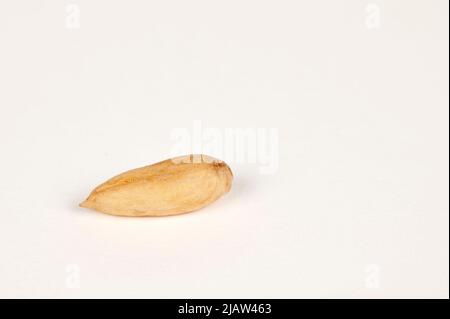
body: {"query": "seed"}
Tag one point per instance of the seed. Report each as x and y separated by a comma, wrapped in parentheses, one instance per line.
(174, 186)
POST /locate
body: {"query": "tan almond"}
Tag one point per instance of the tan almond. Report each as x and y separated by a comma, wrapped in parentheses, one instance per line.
(174, 186)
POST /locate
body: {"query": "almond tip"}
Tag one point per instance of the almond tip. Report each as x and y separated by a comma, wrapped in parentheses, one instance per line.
(83, 204)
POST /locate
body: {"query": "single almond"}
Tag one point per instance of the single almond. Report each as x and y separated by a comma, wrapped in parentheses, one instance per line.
(174, 186)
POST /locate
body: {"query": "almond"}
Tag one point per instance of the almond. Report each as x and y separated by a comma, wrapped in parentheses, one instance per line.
(174, 186)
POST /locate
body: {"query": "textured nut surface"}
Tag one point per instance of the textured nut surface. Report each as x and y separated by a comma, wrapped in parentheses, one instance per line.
(174, 186)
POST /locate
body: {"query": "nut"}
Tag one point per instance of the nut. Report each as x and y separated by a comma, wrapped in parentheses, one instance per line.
(174, 186)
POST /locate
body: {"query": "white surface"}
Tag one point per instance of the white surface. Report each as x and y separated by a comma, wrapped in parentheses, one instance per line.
(358, 208)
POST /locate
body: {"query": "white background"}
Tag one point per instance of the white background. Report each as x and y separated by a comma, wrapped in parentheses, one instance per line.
(358, 207)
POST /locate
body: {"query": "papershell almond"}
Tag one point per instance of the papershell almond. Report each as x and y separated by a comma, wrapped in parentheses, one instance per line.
(174, 186)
